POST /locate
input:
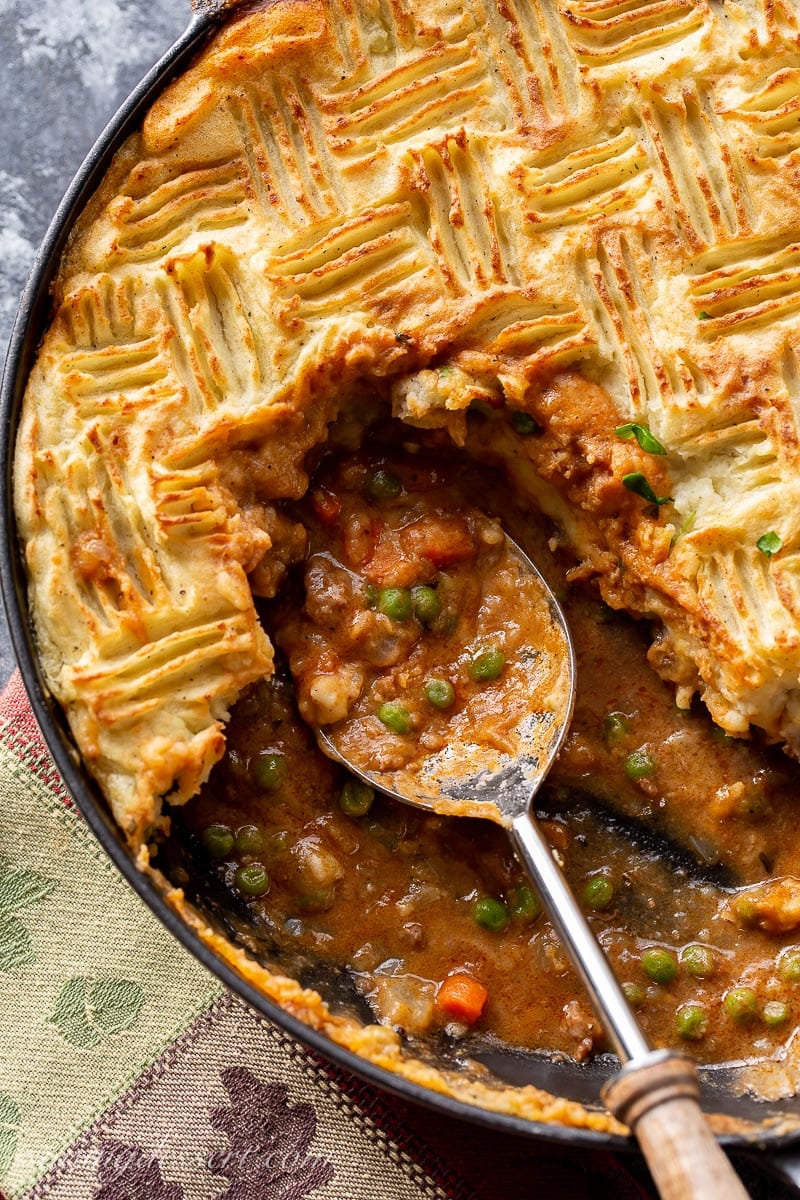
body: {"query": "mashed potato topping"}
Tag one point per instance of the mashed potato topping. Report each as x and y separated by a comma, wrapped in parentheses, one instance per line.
(588, 213)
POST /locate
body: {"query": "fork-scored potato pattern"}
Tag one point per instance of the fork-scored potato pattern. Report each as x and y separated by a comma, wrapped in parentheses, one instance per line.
(589, 209)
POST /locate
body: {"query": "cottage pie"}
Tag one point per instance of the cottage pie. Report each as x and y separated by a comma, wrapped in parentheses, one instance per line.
(560, 237)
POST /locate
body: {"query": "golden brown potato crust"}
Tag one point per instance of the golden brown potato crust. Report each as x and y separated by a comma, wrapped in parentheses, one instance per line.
(584, 208)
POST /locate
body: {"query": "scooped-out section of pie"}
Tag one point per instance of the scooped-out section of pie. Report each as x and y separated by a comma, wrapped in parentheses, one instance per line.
(427, 647)
(681, 843)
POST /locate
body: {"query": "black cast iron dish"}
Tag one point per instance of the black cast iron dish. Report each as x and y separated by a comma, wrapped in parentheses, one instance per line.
(767, 1146)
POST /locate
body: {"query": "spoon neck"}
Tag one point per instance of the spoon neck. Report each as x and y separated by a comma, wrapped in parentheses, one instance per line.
(580, 943)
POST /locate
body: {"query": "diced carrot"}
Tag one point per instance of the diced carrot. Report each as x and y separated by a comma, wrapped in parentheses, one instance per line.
(462, 998)
(442, 540)
(327, 507)
(388, 567)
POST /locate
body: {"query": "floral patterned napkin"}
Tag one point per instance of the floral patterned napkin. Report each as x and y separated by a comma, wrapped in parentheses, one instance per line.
(127, 1072)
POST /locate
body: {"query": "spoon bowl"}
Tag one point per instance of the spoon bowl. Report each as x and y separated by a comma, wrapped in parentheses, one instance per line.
(467, 777)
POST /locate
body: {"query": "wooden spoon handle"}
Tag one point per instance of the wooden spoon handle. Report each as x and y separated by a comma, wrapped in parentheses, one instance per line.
(658, 1097)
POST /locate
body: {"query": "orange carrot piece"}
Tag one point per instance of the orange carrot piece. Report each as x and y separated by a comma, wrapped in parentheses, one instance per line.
(462, 998)
(442, 540)
(327, 507)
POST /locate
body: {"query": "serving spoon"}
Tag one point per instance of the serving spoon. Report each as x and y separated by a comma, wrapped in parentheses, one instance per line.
(656, 1093)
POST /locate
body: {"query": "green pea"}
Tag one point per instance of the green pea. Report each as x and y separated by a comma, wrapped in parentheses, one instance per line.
(270, 771)
(383, 485)
(691, 1022)
(395, 603)
(524, 904)
(427, 604)
(616, 728)
(490, 914)
(659, 965)
(741, 1005)
(356, 798)
(218, 840)
(598, 893)
(639, 765)
(316, 901)
(746, 910)
(252, 880)
(775, 1013)
(697, 961)
(278, 843)
(789, 964)
(524, 424)
(634, 994)
(395, 716)
(440, 693)
(486, 664)
(249, 840)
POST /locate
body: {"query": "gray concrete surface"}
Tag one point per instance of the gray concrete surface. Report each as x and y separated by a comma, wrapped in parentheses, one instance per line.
(65, 65)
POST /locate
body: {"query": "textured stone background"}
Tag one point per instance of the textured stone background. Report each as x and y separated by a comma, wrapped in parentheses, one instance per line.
(65, 65)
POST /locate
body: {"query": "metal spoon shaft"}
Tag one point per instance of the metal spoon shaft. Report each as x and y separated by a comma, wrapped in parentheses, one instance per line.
(571, 925)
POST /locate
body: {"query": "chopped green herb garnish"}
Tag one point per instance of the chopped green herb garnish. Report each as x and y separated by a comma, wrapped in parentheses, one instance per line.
(703, 315)
(769, 543)
(648, 442)
(686, 527)
(636, 482)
